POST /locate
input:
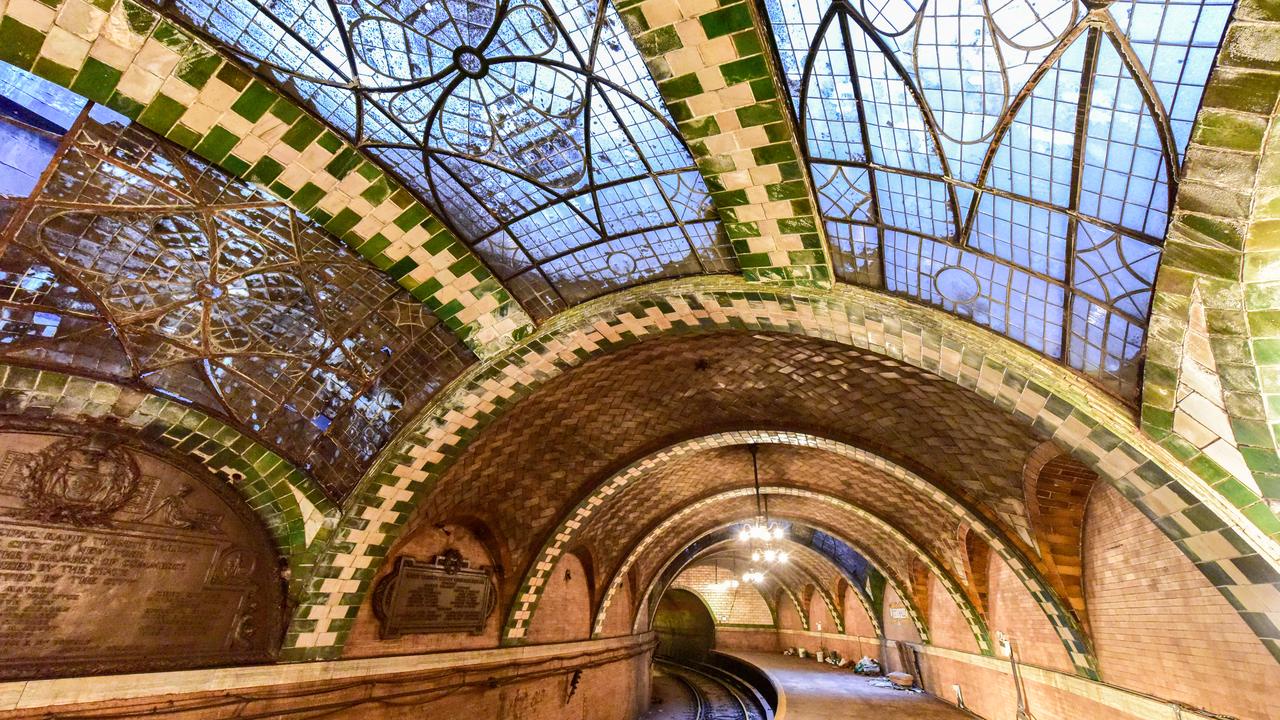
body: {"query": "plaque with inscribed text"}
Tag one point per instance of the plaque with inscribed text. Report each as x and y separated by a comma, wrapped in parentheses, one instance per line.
(437, 596)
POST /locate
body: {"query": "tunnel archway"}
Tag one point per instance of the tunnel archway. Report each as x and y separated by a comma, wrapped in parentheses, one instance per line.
(686, 631)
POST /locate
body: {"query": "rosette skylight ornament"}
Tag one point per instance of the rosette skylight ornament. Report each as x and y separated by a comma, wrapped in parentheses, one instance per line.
(1013, 162)
(532, 127)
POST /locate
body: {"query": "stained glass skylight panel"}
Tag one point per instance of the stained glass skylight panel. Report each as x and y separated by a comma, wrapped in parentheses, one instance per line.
(132, 260)
(520, 124)
(1013, 162)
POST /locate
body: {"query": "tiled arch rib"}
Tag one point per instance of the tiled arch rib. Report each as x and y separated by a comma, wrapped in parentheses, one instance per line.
(129, 58)
(669, 555)
(713, 68)
(293, 509)
(1213, 390)
(598, 502)
(1239, 557)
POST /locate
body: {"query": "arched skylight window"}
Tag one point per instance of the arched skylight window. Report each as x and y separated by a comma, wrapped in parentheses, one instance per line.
(1013, 161)
(128, 259)
(532, 127)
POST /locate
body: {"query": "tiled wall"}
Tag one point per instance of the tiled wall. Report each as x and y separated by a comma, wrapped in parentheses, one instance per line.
(1158, 625)
(742, 605)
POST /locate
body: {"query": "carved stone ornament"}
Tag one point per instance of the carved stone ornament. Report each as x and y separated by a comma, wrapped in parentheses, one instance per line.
(444, 594)
(80, 480)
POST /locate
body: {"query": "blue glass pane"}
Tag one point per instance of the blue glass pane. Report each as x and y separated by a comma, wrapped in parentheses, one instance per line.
(895, 125)
(843, 192)
(1025, 235)
(855, 251)
(34, 114)
(914, 203)
(1115, 269)
(1124, 179)
(1034, 158)
(498, 113)
(1063, 123)
(1007, 300)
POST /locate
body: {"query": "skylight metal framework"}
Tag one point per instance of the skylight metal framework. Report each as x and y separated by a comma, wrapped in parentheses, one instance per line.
(1013, 161)
(531, 126)
(131, 260)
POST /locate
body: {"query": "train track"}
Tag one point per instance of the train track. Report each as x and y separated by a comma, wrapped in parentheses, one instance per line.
(714, 696)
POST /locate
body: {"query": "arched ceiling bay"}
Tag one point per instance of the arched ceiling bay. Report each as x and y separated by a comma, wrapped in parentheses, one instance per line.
(535, 461)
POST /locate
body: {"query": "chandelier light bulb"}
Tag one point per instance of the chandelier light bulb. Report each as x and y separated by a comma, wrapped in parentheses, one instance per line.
(770, 555)
(784, 556)
(744, 535)
(777, 533)
(755, 556)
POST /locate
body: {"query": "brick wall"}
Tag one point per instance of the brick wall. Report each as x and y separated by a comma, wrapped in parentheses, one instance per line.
(742, 605)
(788, 616)
(1159, 627)
(947, 625)
(897, 628)
(1012, 610)
(820, 619)
(856, 619)
(564, 612)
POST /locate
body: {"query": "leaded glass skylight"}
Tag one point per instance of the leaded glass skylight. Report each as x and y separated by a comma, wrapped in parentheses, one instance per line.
(131, 260)
(1014, 162)
(533, 128)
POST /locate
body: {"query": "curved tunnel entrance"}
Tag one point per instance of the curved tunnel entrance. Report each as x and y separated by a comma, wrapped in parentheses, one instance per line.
(685, 628)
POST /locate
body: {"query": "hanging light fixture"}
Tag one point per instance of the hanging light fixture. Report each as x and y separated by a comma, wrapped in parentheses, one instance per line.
(760, 529)
(760, 532)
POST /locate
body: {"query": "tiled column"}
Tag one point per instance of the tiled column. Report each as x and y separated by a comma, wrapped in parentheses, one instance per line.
(716, 73)
(1211, 391)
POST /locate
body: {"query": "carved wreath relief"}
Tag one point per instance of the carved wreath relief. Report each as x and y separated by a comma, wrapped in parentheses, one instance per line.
(114, 560)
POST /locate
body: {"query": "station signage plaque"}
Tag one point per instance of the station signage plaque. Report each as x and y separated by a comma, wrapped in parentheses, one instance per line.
(444, 594)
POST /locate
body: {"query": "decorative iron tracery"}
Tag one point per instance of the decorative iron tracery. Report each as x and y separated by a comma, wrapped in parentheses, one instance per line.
(1013, 161)
(531, 126)
(138, 262)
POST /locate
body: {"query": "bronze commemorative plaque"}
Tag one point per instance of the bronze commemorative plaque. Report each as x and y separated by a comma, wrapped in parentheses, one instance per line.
(444, 594)
(114, 560)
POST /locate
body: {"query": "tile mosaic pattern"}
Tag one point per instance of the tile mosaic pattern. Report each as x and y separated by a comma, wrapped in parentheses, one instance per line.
(654, 558)
(1219, 263)
(125, 56)
(293, 509)
(1239, 554)
(712, 66)
(618, 497)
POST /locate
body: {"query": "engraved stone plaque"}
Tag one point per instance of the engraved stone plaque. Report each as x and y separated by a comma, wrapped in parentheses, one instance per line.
(441, 595)
(115, 560)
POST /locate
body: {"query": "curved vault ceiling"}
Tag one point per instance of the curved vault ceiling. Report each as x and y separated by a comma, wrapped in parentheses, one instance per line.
(1014, 162)
(1014, 165)
(132, 260)
(523, 472)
